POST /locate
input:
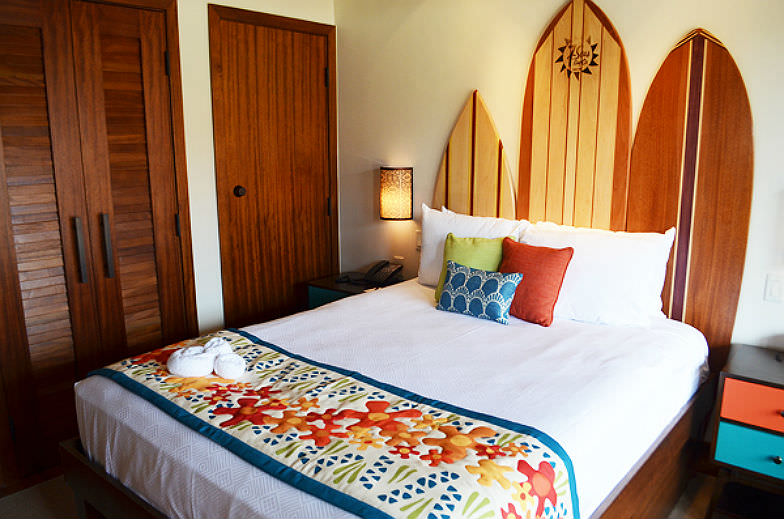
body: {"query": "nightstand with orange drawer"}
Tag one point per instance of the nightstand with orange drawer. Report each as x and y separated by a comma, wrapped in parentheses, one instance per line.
(748, 442)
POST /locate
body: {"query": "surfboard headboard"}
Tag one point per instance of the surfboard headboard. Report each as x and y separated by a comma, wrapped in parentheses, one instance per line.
(692, 167)
(574, 141)
(474, 174)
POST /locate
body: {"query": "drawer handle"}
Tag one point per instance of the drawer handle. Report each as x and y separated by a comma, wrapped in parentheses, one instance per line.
(782, 413)
(777, 460)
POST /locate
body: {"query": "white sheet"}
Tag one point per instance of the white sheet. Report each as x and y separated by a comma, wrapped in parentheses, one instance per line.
(604, 393)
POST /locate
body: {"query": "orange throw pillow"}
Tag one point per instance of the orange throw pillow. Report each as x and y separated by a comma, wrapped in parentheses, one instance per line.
(543, 271)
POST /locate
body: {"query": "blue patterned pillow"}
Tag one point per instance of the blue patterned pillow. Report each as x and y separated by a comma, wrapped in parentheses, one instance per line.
(480, 293)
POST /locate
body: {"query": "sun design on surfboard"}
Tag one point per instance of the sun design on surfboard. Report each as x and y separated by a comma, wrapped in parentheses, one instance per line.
(577, 59)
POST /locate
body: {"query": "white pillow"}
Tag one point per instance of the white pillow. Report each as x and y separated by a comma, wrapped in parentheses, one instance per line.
(437, 224)
(613, 278)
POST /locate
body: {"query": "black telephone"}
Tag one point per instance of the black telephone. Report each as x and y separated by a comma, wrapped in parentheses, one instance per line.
(379, 274)
(382, 273)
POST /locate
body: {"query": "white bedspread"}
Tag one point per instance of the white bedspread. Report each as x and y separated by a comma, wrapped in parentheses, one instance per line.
(604, 393)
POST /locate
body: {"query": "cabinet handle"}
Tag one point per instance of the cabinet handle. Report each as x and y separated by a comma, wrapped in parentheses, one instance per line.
(107, 245)
(77, 223)
(781, 413)
(777, 460)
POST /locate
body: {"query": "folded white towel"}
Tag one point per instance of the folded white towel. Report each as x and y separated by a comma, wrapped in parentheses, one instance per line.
(217, 346)
(229, 365)
(191, 362)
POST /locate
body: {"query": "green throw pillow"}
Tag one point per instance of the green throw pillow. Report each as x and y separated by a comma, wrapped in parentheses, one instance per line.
(478, 253)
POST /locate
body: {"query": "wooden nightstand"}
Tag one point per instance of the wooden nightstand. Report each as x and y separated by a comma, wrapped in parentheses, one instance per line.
(748, 442)
(327, 289)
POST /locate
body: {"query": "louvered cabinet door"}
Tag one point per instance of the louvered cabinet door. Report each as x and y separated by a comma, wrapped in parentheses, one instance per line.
(124, 110)
(46, 308)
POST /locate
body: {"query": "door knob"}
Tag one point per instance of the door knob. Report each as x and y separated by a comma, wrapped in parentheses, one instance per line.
(240, 191)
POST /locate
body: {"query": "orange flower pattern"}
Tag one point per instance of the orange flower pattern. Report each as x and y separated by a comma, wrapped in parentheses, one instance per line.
(402, 456)
(458, 441)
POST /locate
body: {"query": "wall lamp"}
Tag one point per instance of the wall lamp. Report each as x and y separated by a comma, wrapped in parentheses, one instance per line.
(397, 193)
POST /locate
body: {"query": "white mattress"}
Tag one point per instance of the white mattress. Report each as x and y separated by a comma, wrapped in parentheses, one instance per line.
(604, 393)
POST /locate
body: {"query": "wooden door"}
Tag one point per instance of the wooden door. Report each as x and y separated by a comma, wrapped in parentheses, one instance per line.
(47, 312)
(273, 109)
(124, 110)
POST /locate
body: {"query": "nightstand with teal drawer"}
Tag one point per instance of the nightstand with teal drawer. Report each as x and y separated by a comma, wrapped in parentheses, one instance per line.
(750, 449)
(748, 443)
(327, 289)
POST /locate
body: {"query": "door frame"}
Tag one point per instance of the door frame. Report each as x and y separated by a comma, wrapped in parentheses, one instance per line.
(169, 8)
(217, 13)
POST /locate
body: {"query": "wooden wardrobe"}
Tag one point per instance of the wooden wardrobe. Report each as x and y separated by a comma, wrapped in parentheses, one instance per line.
(95, 261)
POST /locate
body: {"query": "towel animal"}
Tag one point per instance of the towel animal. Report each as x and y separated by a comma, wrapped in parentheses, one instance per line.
(199, 361)
(229, 365)
(191, 362)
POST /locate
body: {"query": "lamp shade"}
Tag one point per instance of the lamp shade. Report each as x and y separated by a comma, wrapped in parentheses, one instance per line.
(397, 193)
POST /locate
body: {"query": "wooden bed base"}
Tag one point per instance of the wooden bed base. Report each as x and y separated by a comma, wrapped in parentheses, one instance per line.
(650, 489)
(98, 494)
(655, 483)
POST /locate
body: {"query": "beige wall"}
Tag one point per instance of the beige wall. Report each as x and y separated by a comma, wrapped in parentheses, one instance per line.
(406, 67)
(199, 151)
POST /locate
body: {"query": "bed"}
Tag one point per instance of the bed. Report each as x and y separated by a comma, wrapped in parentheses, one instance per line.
(600, 379)
(628, 403)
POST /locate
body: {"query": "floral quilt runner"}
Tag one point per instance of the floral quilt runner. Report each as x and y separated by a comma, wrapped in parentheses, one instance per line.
(368, 447)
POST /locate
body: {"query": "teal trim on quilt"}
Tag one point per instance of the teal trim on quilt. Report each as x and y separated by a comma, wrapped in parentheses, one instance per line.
(243, 450)
(306, 483)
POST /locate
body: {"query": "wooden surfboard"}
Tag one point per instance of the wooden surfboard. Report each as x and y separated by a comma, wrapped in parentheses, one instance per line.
(474, 174)
(692, 167)
(576, 128)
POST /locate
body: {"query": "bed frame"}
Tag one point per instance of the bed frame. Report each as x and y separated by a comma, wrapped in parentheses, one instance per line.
(653, 485)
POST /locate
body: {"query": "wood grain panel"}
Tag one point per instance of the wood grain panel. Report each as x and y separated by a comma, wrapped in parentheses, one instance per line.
(474, 177)
(653, 194)
(461, 165)
(273, 128)
(723, 202)
(506, 189)
(576, 124)
(310, 163)
(586, 154)
(132, 137)
(440, 193)
(540, 134)
(36, 237)
(486, 165)
(40, 193)
(558, 101)
(171, 318)
(606, 127)
(91, 103)
(692, 165)
(659, 478)
(49, 313)
(573, 125)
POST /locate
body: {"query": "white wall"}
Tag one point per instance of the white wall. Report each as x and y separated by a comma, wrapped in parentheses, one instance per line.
(406, 68)
(199, 150)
